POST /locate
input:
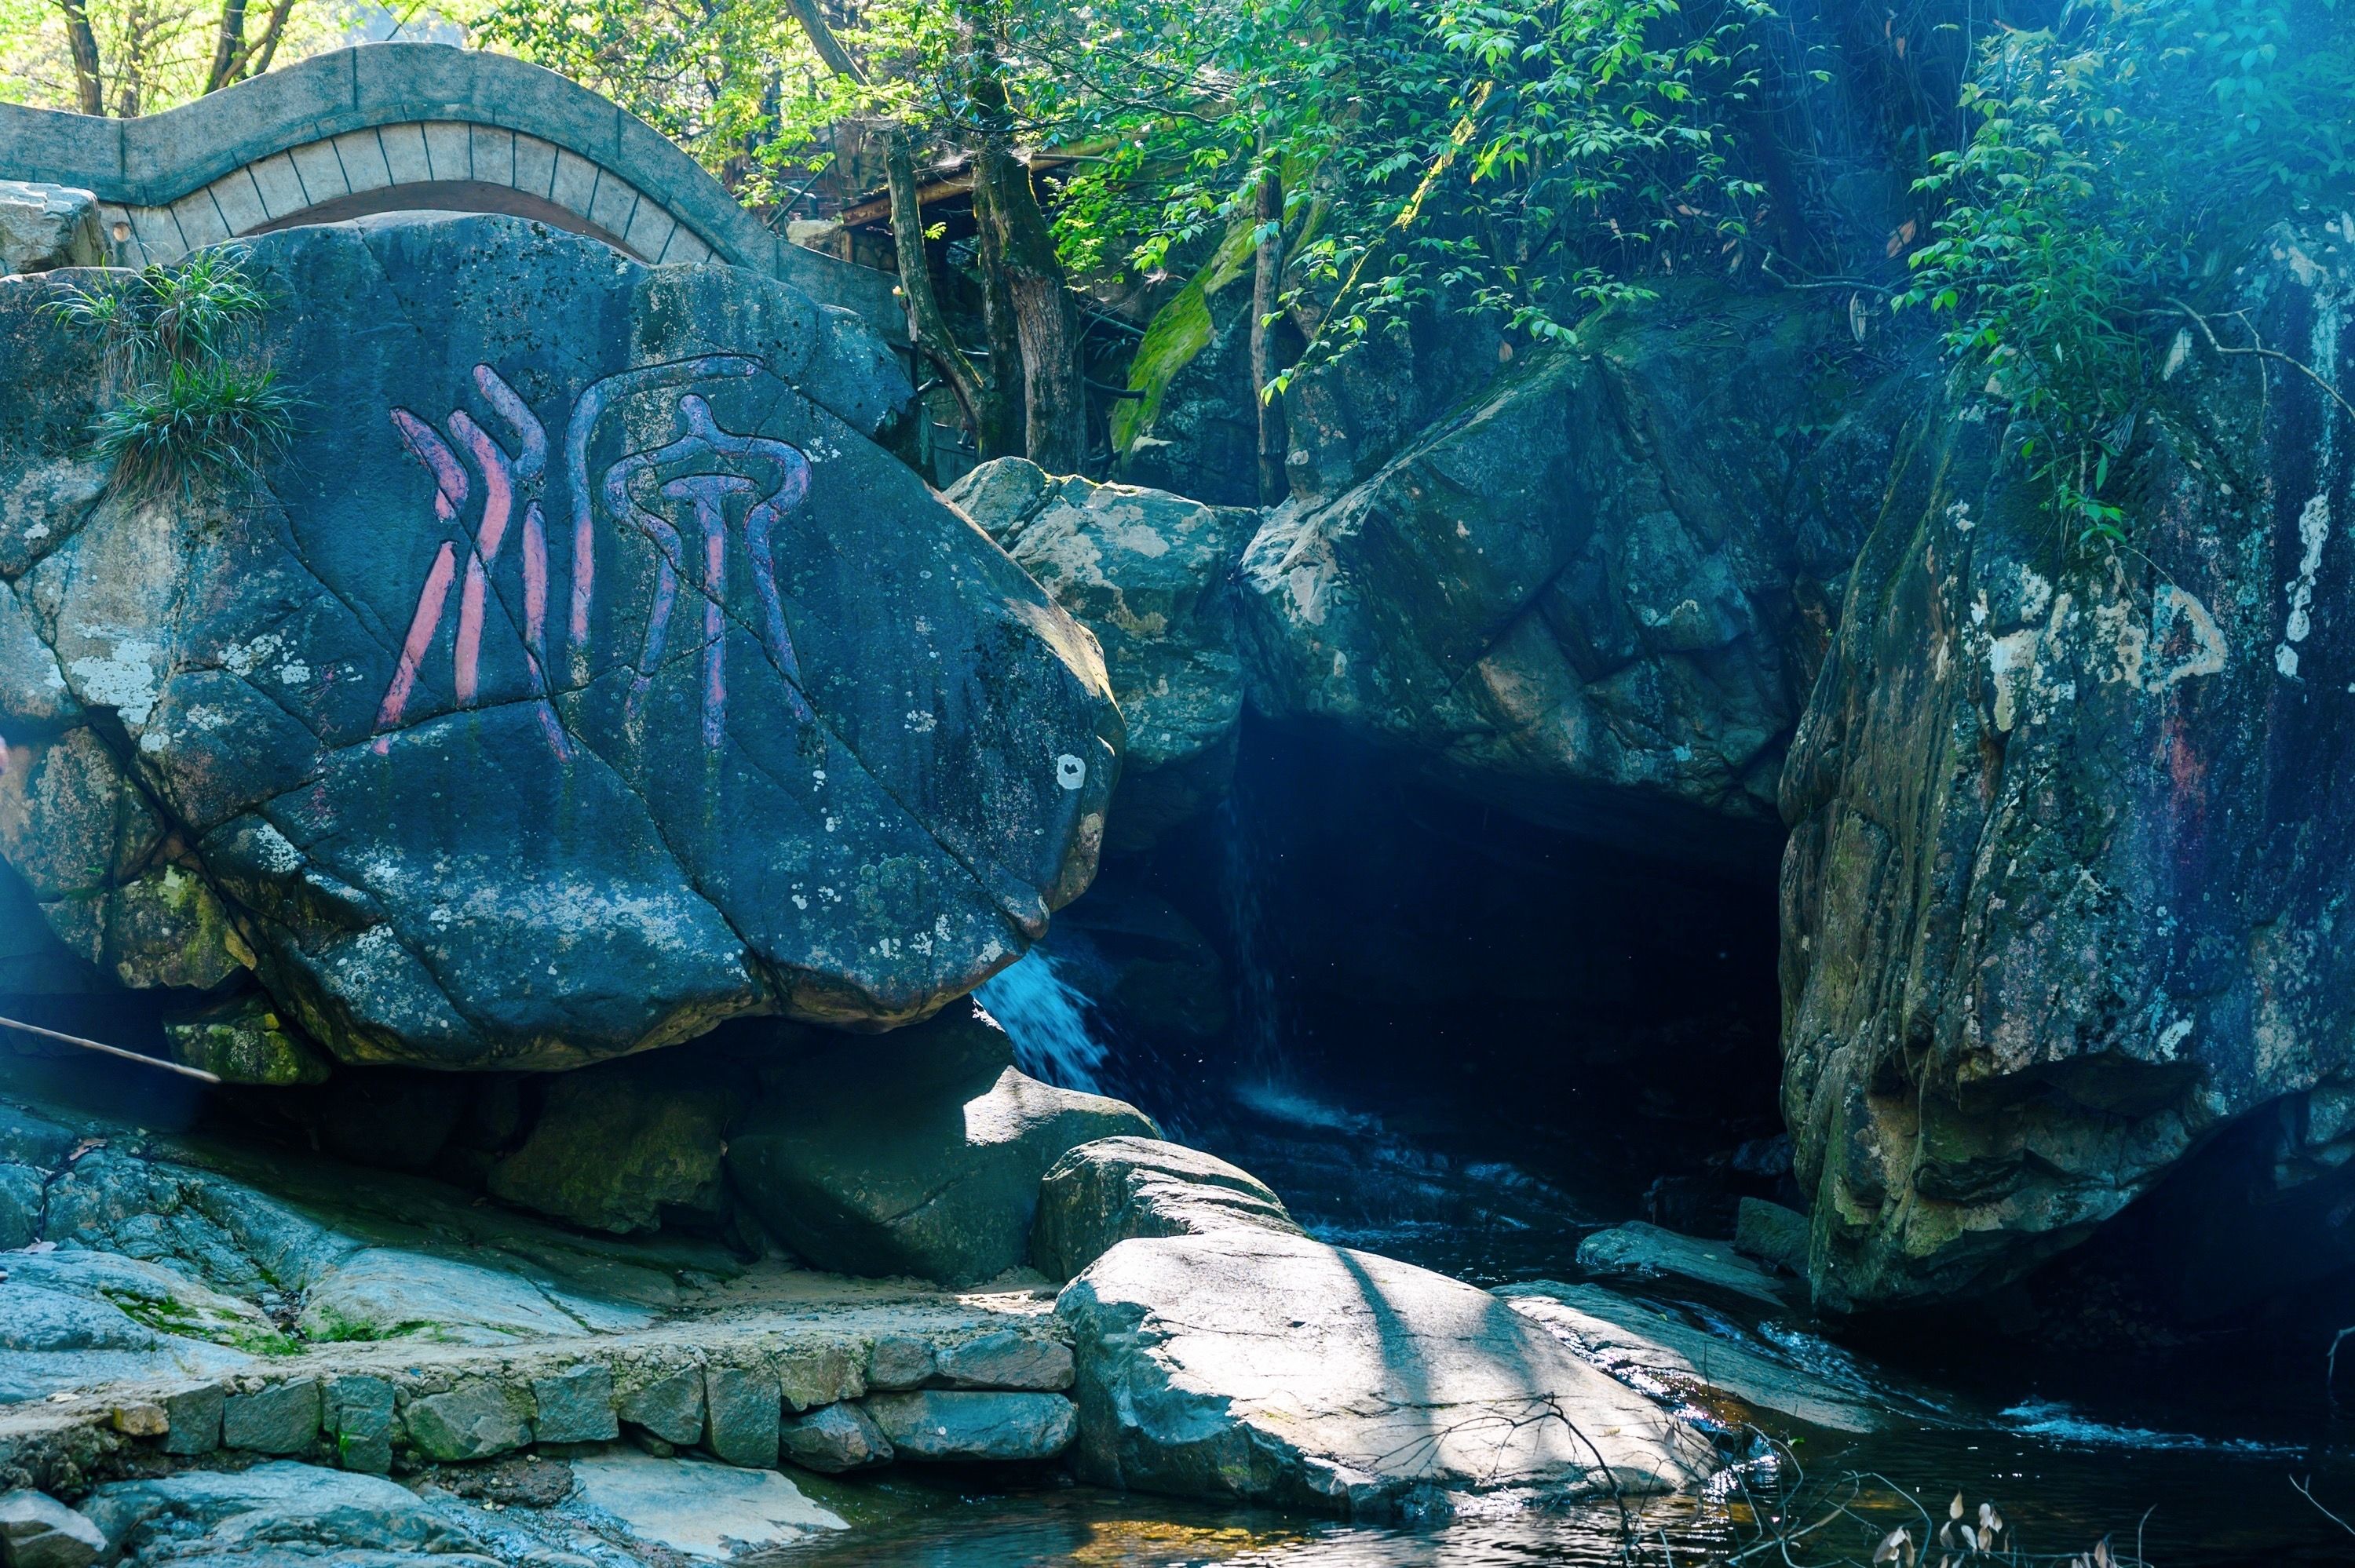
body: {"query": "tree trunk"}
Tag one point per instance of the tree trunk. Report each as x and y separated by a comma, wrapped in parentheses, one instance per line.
(228, 46)
(1026, 268)
(90, 88)
(1267, 290)
(132, 60)
(1046, 318)
(927, 329)
(257, 58)
(1004, 417)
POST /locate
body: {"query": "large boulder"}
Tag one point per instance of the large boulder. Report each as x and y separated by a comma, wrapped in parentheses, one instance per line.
(1591, 593)
(918, 1153)
(44, 227)
(1105, 1193)
(615, 1145)
(584, 674)
(2069, 852)
(1151, 574)
(1255, 1366)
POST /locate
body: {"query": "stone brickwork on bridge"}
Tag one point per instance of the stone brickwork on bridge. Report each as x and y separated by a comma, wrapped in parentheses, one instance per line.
(395, 127)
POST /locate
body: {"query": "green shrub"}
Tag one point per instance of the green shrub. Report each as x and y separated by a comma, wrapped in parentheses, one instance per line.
(2122, 162)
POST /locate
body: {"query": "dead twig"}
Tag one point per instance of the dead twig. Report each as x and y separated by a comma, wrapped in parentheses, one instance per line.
(155, 1062)
(2261, 351)
(2305, 1489)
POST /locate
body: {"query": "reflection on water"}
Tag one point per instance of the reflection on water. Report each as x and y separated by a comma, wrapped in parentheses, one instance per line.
(2211, 1507)
(1079, 1525)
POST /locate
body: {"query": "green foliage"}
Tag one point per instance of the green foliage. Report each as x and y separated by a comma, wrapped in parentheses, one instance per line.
(155, 54)
(189, 410)
(1528, 159)
(716, 78)
(2121, 162)
(199, 424)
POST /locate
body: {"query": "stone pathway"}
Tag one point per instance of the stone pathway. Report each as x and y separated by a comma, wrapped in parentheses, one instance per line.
(185, 1299)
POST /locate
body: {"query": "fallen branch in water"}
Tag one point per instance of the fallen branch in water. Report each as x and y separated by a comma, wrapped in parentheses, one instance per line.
(2305, 1489)
(1961, 1539)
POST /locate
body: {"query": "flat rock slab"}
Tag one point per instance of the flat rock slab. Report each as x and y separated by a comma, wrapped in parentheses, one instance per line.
(1274, 1369)
(705, 1511)
(1657, 1354)
(1641, 1251)
(578, 681)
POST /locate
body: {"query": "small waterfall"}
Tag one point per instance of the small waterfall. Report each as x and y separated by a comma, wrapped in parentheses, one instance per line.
(1259, 1005)
(1047, 1019)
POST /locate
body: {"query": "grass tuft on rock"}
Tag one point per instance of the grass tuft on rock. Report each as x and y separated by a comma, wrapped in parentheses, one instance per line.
(195, 408)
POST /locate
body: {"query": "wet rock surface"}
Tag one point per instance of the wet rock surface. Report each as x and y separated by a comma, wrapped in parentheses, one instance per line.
(943, 1424)
(1654, 1352)
(1638, 1251)
(2068, 855)
(453, 729)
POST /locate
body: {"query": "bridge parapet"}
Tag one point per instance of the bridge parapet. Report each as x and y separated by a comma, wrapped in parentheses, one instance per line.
(393, 127)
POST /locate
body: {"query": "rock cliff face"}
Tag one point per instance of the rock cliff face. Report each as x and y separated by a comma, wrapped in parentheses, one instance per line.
(584, 676)
(2068, 873)
(1593, 592)
(1151, 574)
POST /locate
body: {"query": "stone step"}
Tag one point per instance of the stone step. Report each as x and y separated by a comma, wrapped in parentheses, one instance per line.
(964, 1377)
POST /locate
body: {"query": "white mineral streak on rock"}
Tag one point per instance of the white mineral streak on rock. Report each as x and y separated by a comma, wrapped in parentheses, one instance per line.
(2313, 530)
(2169, 605)
(2314, 519)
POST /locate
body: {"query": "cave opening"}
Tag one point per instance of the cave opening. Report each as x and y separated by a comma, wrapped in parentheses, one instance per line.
(1437, 1014)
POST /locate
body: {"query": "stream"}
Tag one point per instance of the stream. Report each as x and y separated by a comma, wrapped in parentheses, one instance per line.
(2197, 1453)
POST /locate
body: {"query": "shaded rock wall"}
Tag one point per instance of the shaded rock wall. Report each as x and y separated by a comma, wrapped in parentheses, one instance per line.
(1591, 593)
(2069, 852)
(1151, 574)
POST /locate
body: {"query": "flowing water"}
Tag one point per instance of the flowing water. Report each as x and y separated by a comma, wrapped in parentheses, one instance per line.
(1047, 1019)
(2175, 1466)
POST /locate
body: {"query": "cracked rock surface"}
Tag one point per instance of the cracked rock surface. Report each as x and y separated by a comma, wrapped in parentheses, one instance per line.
(584, 675)
(2066, 889)
(1251, 1364)
(1592, 591)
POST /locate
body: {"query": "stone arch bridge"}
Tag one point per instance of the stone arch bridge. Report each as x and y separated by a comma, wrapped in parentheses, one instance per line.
(407, 127)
